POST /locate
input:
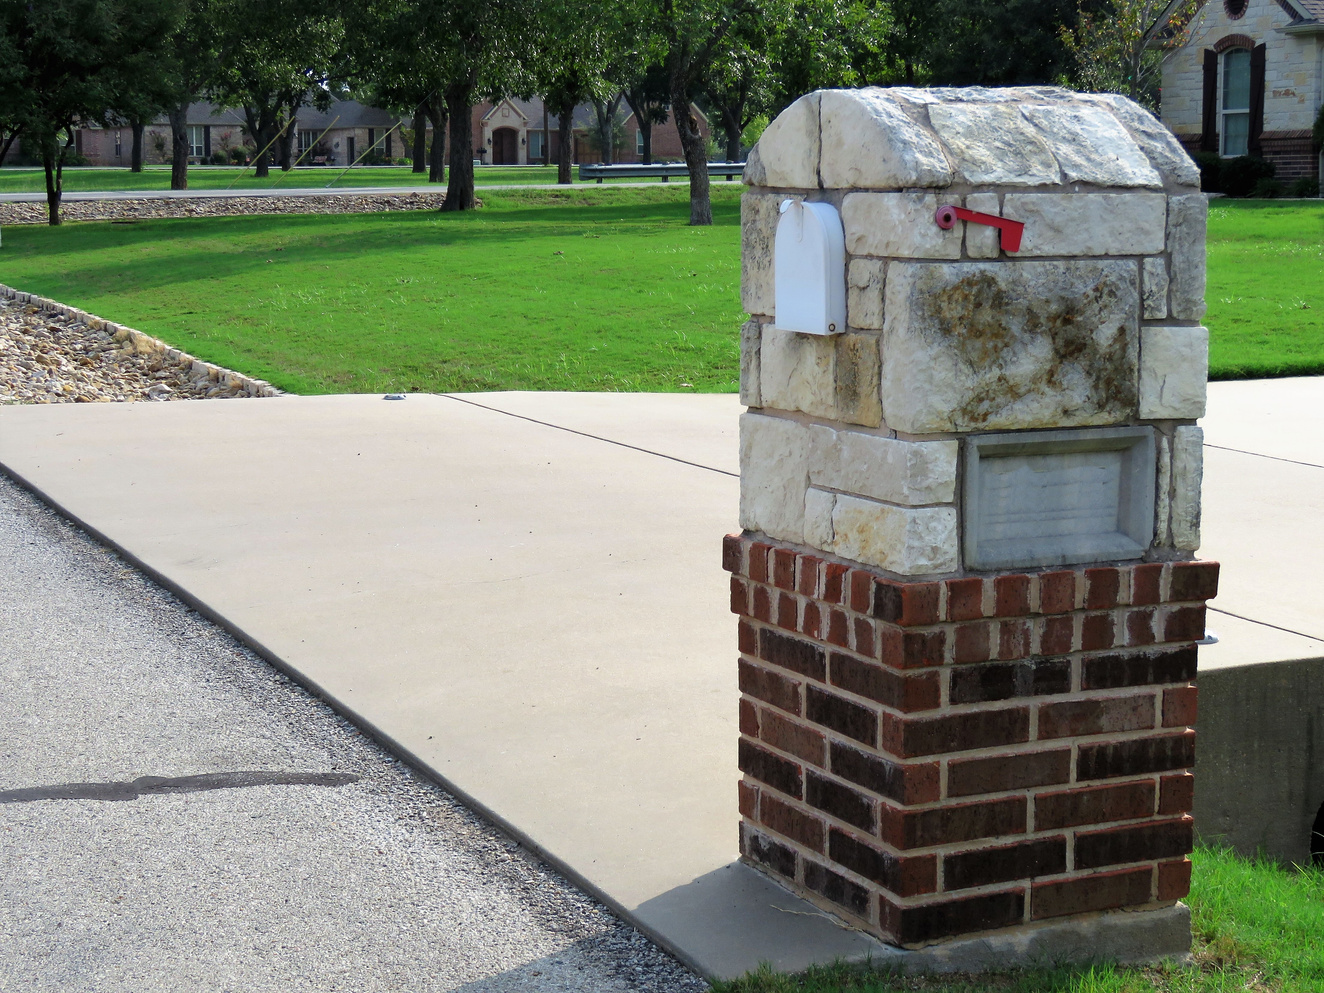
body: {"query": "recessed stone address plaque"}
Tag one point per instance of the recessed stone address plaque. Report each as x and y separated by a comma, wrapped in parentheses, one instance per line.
(1046, 498)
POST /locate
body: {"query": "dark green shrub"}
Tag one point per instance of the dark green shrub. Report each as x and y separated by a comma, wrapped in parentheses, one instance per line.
(1267, 189)
(1210, 171)
(1304, 186)
(218, 158)
(238, 156)
(1239, 176)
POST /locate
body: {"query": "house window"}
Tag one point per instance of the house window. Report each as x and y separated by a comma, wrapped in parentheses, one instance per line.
(306, 139)
(536, 146)
(196, 141)
(119, 148)
(639, 142)
(1236, 102)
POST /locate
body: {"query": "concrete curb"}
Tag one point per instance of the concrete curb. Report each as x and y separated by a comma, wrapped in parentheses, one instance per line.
(200, 372)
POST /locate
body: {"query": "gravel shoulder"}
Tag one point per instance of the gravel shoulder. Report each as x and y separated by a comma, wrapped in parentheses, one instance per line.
(145, 208)
(382, 883)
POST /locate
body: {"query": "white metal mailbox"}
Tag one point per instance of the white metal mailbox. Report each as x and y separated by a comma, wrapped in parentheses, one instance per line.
(810, 268)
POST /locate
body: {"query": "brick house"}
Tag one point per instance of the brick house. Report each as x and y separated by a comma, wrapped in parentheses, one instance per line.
(1250, 82)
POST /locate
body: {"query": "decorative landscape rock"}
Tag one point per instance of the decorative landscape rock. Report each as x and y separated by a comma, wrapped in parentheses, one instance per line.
(151, 208)
(967, 596)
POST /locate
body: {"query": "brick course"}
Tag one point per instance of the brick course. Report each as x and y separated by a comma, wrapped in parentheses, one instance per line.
(929, 759)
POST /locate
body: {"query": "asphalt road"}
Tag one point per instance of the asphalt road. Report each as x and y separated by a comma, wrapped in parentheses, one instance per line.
(177, 815)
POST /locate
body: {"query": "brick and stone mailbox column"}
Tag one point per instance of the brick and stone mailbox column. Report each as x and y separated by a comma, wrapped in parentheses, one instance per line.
(970, 494)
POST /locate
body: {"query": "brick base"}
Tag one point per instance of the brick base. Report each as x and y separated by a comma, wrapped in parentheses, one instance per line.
(929, 759)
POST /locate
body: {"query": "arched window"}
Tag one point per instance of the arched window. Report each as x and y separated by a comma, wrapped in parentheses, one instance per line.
(1236, 102)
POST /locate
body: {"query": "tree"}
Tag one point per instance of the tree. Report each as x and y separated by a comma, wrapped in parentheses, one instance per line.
(1121, 48)
(646, 94)
(75, 62)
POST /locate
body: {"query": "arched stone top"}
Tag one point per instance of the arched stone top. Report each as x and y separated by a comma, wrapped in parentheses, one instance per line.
(1233, 41)
(905, 138)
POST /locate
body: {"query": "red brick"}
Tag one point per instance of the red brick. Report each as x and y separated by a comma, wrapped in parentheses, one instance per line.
(774, 855)
(748, 638)
(758, 561)
(1057, 635)
(733, 553)
(792, 822)
(1140, 626)
(912, 925)
(1179, 706)
(1097, 891)
(1137, 843)
(886, 686)
(811, 624)
(837, 888)
(1007, 680)
(763, 604)
(1101, 588)
(793, 653)
(841, 715)
(909, 829)
(749, 718)
(1093, 805)
(1011, 595)
(770, 687)
(910, 649)
(789, 736)
(1013, 640)
(1097, 632)
(1135, 757)
(1176, 794)
(1174, 880)
(807, 582)
(861, 591)
(907, 604)
(970, 642)
(749, 800)
(1184, 624)
(1146, 582)
(840, 801)
(1113, 671)
(908, 783)
(1057, 592)
(777, 772)
(787, 612)
(1193, 581)
(783, 568)
(834, 581)
(904, 875)
(1104, 715)
(838, 632)
(986, 866)
(908, 737)
(864, 643)
(967, 777)
(965, 599)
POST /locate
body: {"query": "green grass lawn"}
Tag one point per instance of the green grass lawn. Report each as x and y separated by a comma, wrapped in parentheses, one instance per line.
(590, 289)
(84, 179)
(1257, 928)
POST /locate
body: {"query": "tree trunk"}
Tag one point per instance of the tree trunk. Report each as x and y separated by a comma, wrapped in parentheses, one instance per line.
(420, 138)
(731, 125)
(286, 144)
(696, 152)
(6, 145)
(459, 108)
(437, 111)
(565, 138)
(136, 156)
(179, 147)
(646, 130)
(52, 157)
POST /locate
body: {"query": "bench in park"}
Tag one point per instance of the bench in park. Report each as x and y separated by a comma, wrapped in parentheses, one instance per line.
(731, 170)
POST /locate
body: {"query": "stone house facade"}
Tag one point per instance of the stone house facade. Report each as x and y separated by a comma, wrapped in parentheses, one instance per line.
(1250, 82)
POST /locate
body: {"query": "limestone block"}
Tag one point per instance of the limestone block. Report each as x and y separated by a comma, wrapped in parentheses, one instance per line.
(858, 372)
(1163, 489)
(1158, 143)
(1187, 472)
(870, 142)
(905, 540)
(774, 474)
(864, 293)
(913, 473)
(798, 372)
(1088, 223)
(1154, 280)
(982, 241)
(977, 346)
(759, 213)
(789, 146)
(819, 505)
(899, 225)
(751, 335)
(1174, 370)
(992, 143)
(1187, 218)
(754, 174)
(1091, 146)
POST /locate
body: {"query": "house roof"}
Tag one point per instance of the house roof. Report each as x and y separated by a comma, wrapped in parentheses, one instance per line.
(350, 114)
(1312, 10)
(1302, 12)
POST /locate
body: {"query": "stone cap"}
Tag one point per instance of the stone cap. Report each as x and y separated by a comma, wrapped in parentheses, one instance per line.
(905, 138)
